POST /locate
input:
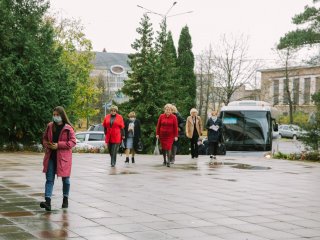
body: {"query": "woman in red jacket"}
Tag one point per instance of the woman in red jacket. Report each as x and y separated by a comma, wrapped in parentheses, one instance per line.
(114, 130)
(58, 140)
(167, 132)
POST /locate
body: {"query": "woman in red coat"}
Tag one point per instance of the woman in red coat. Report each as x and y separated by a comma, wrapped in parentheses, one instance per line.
(114, 130)
(167, 132)
(58, 140)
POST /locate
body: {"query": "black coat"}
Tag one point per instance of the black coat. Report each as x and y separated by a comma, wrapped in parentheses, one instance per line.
(137, 132)
(181, 124)
(214, 136)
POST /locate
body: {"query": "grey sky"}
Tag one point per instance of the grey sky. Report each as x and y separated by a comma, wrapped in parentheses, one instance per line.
(112, 24)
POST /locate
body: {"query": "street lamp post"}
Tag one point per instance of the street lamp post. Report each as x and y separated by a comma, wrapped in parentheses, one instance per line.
(165, 16)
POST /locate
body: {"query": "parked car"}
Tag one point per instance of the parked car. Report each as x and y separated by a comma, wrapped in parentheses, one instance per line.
(93, 138)
(291, 131)
(82, 145)
(96, 127)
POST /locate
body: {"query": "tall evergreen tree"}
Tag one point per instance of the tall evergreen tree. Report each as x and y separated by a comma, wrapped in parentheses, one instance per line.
(142, 87)
(32, 76)
(308, 34)
(186, 97)
(166, 64)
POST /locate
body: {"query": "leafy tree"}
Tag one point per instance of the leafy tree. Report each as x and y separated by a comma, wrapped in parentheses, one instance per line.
(77, 57)
(286, 56)
(309, 35)
(312, 138)
(186, 97)
(33, 78)
(143, 87)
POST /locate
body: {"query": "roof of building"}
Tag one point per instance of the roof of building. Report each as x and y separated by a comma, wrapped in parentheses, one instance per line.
(107, 59)
(289, 68)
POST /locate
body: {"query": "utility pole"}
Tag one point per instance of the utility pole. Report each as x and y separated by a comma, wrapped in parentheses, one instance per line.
(164, 16)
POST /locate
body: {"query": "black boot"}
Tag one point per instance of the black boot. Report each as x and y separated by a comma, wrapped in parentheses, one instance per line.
(65, 202)
(127, 160)
(47, 204)
(164, 158)
(132, 159)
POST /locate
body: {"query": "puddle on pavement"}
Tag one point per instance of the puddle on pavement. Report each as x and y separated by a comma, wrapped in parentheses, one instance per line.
(17, 214)
(123, 172)
(250, 167)
(54, 234)
(17, 186)
(180, 166)
(36, 194)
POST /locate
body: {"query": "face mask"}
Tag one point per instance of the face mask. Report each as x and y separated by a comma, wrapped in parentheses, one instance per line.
(214, 118)
(57, 119)
(131, 119)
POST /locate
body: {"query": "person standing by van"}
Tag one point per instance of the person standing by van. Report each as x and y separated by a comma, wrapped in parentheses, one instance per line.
(214, 127)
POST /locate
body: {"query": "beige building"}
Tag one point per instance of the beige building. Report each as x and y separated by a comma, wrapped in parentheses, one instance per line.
(304, 81)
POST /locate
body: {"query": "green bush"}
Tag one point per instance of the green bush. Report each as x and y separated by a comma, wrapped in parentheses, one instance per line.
(309, 156)
(299, 118)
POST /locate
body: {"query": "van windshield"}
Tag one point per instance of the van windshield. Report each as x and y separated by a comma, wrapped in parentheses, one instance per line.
(247, 127)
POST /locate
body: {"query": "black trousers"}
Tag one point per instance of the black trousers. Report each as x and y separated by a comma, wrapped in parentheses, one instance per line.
(213, 148)
(113, 151)
(194, 145)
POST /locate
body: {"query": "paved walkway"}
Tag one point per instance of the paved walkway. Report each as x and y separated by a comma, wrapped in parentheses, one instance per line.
(245, 198)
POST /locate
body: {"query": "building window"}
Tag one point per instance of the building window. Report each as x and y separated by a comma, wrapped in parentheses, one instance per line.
(285, 93)
(295, 91)
(117, 69)
(275, 92)
(307, 83)
(317, 84)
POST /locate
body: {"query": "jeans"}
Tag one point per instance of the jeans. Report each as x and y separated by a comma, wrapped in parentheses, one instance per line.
(50, 175)
(113, 150)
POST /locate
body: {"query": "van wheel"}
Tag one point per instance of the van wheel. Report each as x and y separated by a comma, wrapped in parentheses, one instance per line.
(294, 137)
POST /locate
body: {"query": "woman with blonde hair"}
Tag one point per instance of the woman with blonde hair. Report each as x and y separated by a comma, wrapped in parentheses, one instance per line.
(132, 135)
(193, 131)
(167, 132)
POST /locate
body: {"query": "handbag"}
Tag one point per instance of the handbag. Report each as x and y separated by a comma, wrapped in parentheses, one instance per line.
(139, 146)
(122, 147)
(156, 149)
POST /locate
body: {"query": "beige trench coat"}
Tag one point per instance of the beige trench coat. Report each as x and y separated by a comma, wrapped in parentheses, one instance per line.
(190, 126)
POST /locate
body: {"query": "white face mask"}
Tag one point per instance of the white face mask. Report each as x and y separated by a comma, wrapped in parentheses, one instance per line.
(57, 119)
(214, 118)
(132, 119)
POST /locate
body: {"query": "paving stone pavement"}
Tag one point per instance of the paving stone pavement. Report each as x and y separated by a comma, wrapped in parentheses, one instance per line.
(241, 197)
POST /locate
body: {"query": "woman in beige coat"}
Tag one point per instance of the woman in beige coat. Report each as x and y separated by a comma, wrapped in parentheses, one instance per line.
(193, 131)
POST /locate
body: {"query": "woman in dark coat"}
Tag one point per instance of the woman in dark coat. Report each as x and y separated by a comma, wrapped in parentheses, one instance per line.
(132, 133)
(214, 127)
(181, 124)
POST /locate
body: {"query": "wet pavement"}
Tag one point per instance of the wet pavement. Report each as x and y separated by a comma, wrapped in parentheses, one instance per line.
(239, 197)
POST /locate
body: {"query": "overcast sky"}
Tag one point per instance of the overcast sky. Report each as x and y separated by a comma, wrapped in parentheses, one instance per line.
(112, 24)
